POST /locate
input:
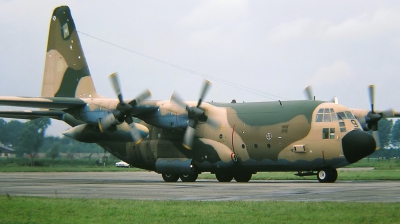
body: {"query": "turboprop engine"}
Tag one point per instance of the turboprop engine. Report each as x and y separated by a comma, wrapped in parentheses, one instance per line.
(119, 133)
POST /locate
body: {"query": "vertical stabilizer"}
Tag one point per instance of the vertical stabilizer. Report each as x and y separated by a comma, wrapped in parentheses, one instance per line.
(66, 73)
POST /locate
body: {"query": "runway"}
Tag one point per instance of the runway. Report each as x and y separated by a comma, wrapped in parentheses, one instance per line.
(150, 186)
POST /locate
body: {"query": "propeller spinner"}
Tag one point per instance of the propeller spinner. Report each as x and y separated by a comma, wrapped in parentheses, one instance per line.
(195, 115)
(123, 111)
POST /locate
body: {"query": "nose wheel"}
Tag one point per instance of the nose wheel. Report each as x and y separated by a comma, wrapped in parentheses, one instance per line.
(328, 175)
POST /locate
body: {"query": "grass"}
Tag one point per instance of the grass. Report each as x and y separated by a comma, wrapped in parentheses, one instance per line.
(61, 210)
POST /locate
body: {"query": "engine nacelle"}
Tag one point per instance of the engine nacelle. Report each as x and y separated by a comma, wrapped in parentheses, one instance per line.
(92, 134)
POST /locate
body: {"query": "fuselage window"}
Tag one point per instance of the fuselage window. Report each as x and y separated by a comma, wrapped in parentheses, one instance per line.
(324, 115)
(331, 133)
(349, 115)
(328, 133)
(334, 117)
(319, 118)
(342, 126)
(341, 115)
(327, 117)
(325, 133)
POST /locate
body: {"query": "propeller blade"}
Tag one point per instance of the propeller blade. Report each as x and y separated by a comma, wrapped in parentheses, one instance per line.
(214, 123)
(309, 93)
(188, 137)
(375, 134)
(137, 138)
(106, 122)
(142, 96)
(371, 90)
(178, 100)
(203, 93)
(116, 86)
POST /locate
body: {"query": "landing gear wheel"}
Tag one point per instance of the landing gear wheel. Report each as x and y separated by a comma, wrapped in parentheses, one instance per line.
(328, 175)
(170, 177)
(224, 177)
(242, 177)
(189, 177)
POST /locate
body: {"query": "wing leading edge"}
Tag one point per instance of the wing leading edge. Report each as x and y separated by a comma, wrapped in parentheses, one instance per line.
(60, 103)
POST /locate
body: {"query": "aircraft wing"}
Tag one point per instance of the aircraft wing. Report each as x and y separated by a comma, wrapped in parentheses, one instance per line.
(59, 115)
(59, 103)
(386, 114)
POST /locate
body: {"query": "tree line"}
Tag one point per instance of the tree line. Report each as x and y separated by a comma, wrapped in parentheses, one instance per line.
(29, 138)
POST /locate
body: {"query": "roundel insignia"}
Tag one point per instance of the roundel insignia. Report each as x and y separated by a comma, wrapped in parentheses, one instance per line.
(269, 136)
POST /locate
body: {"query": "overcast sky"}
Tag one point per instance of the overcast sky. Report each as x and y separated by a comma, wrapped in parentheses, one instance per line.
(249, 50)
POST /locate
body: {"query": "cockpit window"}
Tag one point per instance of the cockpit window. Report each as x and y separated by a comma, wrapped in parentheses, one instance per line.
(341, 115)
(334, 117)
(349, 115)
(329, 115)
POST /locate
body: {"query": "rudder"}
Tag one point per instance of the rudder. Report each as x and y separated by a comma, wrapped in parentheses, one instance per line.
(66, 73)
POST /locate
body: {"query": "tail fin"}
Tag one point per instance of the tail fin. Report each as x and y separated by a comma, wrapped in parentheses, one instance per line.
(66, 73)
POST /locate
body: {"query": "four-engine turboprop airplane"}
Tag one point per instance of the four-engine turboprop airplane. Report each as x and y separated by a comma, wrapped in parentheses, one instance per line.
(181, 139)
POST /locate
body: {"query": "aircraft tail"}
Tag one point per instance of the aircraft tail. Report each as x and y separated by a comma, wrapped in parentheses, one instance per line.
(66, 73)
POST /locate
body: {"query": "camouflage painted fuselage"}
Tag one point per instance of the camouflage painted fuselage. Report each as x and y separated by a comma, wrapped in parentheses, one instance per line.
(266, 136)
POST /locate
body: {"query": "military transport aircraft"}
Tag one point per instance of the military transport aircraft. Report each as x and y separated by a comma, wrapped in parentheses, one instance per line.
(180, 139)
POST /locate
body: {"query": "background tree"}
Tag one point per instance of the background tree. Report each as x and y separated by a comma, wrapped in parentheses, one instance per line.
(396, 134)
(31, 137)
(10, 131)
(385, 127)
(53, 152)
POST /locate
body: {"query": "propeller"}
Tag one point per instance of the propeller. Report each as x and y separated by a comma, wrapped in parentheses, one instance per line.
(195, 115)
(373, 117)
(310, 95)
(123, 111)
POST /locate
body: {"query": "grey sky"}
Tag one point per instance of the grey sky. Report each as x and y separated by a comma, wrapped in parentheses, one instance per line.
(276, 47)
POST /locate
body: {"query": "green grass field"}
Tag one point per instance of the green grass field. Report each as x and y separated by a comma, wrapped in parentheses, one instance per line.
(61, 210)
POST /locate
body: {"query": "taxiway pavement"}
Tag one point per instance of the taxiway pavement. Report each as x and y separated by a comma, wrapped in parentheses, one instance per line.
(150, 186)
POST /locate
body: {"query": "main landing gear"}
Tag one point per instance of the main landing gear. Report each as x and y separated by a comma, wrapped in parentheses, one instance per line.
(239, 177)
(192, 177)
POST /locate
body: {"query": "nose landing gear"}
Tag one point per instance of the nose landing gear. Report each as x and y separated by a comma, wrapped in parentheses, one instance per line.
(328, 175)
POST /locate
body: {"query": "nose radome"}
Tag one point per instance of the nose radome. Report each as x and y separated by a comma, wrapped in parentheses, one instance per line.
(357, 144)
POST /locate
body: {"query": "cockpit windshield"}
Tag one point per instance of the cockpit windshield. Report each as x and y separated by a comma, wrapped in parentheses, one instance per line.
(329, 115)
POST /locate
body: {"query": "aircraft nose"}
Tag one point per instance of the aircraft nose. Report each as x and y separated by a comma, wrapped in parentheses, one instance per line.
(357, 144)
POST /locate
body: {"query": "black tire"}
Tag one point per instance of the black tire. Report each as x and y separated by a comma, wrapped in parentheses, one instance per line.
(170, 177)
(328, 175)
(224, 177)
(192, 177)
(242, 177)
